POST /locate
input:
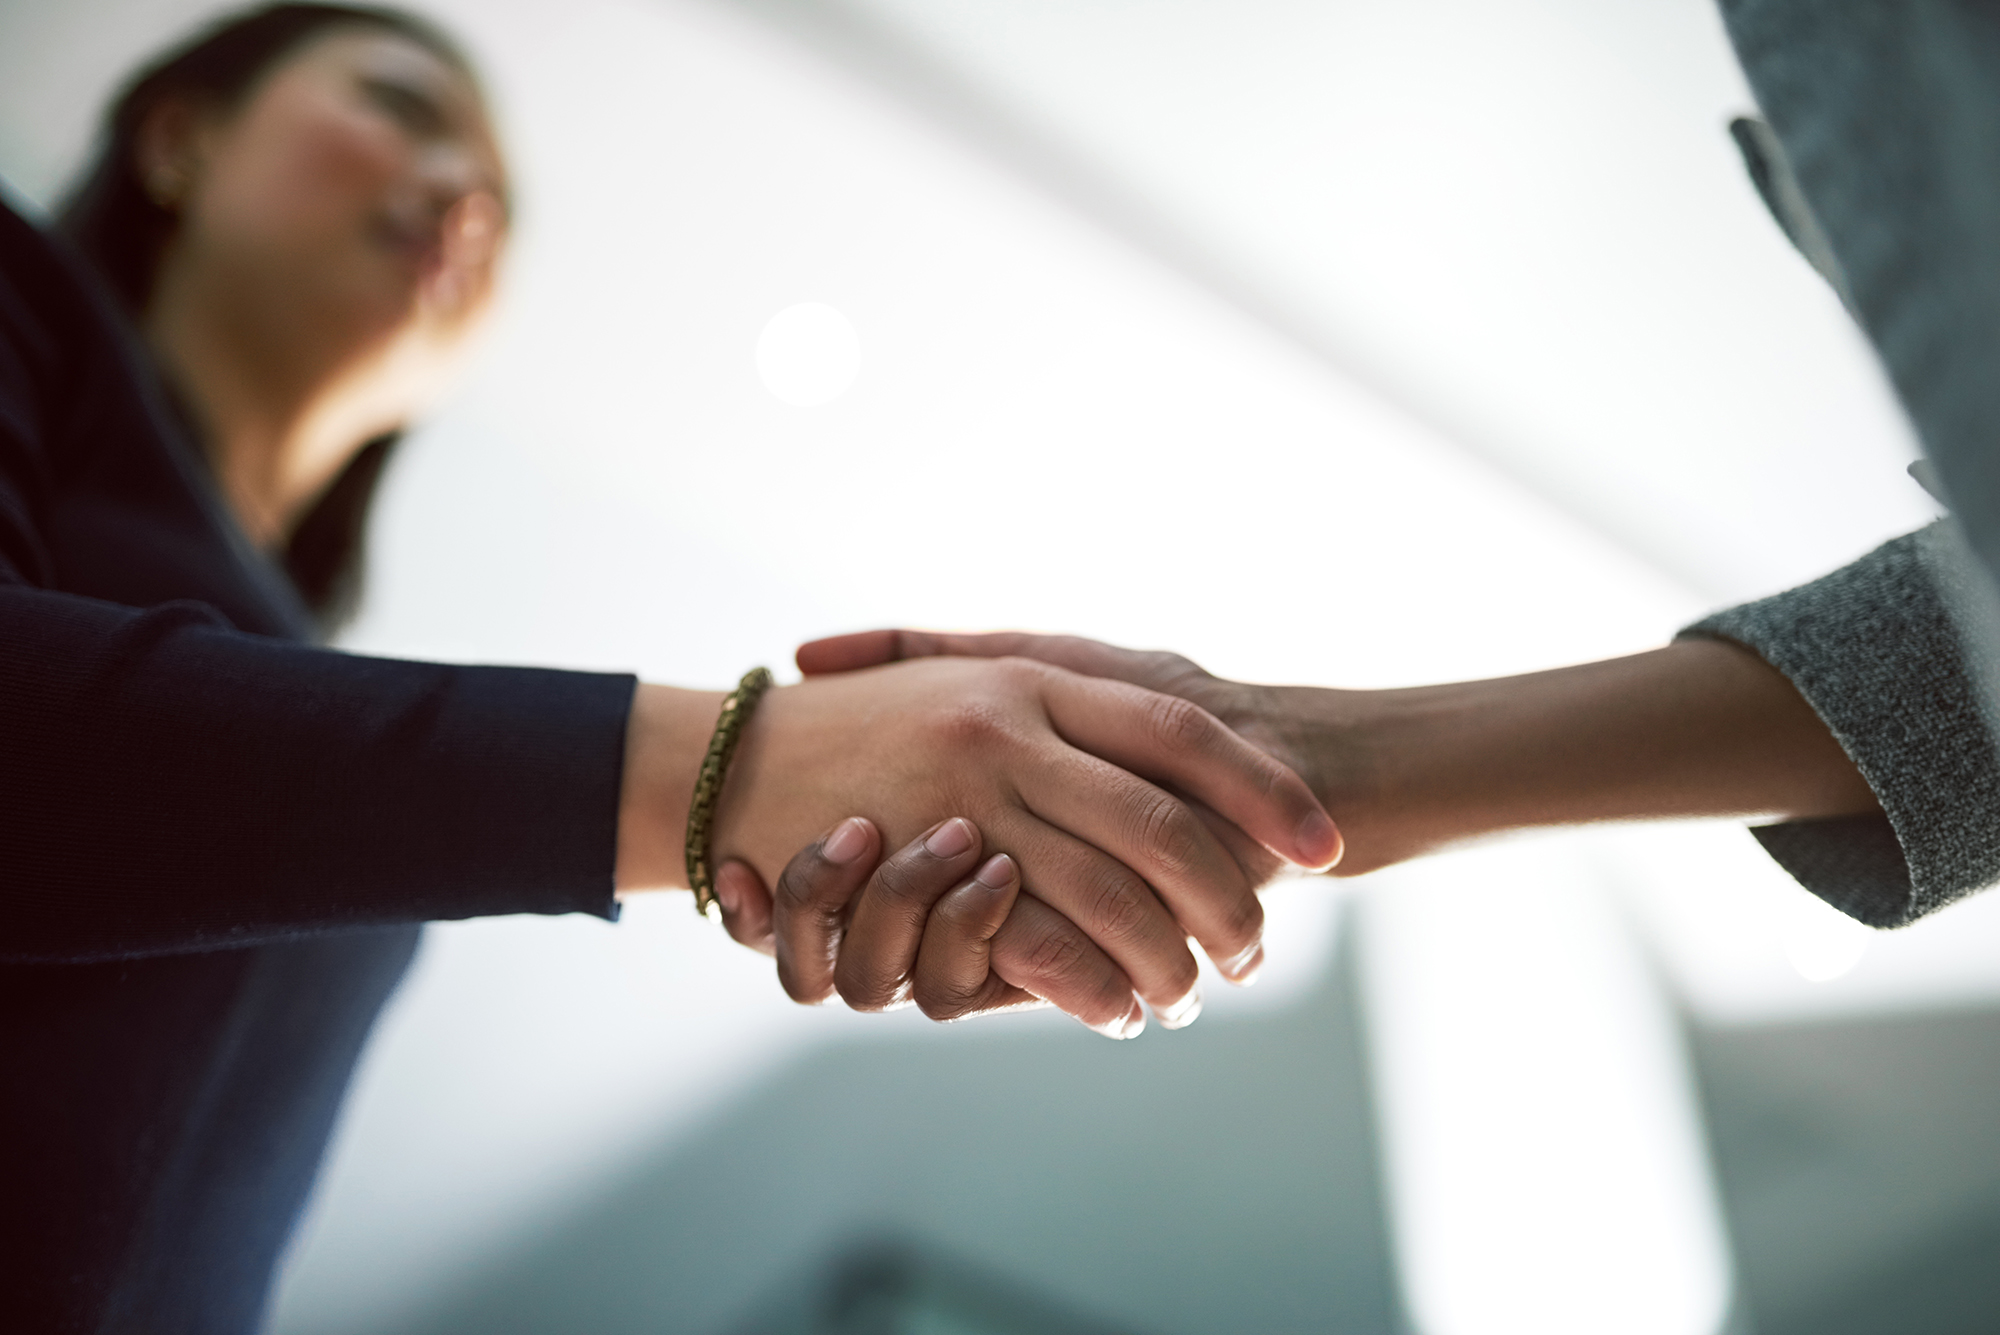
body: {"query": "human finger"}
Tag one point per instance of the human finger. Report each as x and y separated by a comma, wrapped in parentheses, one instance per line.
(1260, 867)
(745, 904)
(886, 928)
(1177, 743)
(1040, 953)
(1195, 883)
(809, 909)
(1300, 830)
(1107, 899)
(953, 973)
(1154, 669)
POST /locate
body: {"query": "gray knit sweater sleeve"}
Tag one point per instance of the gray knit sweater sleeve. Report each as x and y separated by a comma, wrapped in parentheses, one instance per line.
(1874, 651)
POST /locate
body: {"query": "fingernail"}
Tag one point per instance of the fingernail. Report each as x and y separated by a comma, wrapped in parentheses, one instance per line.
(998, 873)
(949, 839)
(1135, 1023)
(1243, 970)
(1183, 1012)
(725, 892)
(846, 842)
(1318, 839)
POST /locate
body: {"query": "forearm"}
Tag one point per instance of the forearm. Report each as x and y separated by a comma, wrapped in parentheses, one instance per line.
(1699, 728)
(790, 761)
(170, 784)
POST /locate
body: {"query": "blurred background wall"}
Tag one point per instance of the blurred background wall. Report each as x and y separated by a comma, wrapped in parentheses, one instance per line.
(1350, 343)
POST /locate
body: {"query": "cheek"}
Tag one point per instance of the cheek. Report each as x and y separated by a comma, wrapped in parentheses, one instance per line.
(303, 180)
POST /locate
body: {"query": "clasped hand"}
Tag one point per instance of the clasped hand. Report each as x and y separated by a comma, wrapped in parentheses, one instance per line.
(1057, 839)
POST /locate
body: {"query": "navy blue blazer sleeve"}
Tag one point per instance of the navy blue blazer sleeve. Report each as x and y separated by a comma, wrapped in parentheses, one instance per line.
(177, 771)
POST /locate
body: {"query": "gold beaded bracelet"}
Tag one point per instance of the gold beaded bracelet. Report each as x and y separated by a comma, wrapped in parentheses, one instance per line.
(736, 708)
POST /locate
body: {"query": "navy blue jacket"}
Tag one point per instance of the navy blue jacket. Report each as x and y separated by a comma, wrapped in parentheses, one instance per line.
(216, 839)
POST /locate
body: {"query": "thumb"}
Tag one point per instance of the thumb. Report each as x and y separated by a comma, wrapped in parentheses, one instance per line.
(746, 905)
(846, 653)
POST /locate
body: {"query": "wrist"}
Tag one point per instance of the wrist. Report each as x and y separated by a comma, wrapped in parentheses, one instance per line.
(1694, 730)
(760, 798)
(666, 736)
(1353, 749)
(796, 773)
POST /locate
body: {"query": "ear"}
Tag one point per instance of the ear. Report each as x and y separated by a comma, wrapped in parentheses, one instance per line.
(168, 150)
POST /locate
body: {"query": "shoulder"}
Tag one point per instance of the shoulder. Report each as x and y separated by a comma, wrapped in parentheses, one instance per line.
(55, 321)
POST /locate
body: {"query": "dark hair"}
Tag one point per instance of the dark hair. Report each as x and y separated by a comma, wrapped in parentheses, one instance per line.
(118, 226)
(109, 214)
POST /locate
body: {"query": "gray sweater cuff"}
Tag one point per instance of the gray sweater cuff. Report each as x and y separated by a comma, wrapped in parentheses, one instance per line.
(1873, 650)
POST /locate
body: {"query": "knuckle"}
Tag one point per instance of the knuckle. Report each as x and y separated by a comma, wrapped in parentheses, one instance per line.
(958, 916)
(1118, 906)
(801, 883)
(1020, 673)
(794, 890)
(1050, 952)
(867, 992)
(971, 726)
(1049, 957)
(947, 999)
(1170, 833)
(897, 882)
(1176, 724)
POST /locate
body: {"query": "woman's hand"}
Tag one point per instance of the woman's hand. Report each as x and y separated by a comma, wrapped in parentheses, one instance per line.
(1311, 731)
(933, 925)
(1699, 728)
(1272, 717)
(1063, 772)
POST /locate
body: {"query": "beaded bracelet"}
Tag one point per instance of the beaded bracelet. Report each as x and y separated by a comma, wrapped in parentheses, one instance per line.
(736, 709)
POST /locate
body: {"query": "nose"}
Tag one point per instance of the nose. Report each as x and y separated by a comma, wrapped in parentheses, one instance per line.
(471, 229)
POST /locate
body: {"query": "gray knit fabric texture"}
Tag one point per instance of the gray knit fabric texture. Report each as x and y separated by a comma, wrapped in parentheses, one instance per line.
(1889, 119)
(1874, 650)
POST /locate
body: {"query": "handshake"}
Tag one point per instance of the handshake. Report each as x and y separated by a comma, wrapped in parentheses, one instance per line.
(974, 824)
(1068, 819)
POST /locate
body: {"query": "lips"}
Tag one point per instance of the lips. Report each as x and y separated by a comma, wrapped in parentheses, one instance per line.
(428, 240)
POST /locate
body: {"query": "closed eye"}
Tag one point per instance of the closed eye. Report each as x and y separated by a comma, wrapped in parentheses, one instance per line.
(412, 108)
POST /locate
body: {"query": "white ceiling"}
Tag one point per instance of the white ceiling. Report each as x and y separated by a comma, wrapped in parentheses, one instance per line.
(1524, 223)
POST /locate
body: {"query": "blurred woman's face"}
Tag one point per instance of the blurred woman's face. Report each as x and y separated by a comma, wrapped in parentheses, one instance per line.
(354, 201)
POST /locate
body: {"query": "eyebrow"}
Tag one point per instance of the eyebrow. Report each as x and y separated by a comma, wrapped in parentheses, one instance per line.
(429, 83)
(408, 92)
